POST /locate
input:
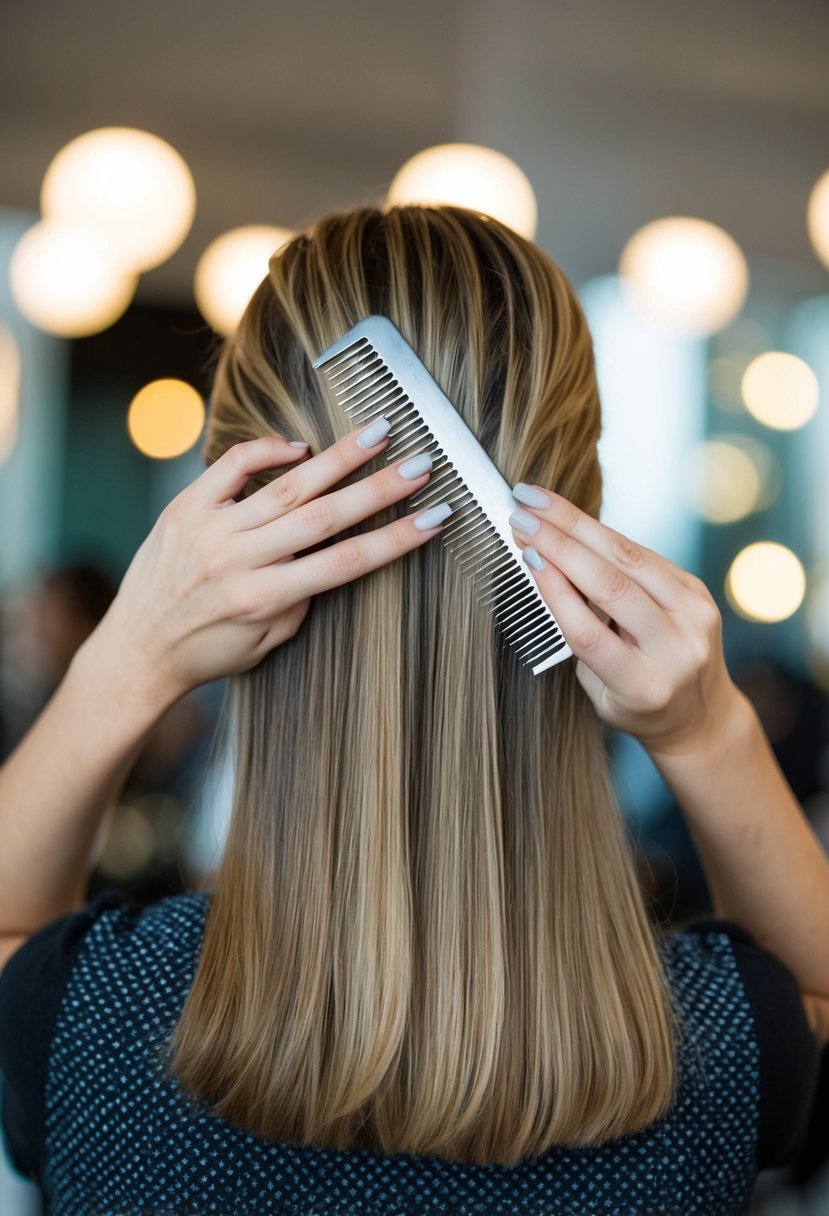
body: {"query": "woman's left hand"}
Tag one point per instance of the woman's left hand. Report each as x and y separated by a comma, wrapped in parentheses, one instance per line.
(218, 583)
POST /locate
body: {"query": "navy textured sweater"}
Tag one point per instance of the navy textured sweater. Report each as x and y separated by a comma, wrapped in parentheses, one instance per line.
(87, 1006)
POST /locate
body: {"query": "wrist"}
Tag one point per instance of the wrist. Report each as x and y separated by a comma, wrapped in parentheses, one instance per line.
(729, 728)
(109, 667)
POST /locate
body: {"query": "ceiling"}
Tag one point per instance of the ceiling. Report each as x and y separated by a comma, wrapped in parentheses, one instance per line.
(618, 112)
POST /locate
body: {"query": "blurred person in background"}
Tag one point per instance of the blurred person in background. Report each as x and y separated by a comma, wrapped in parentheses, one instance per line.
(425, 974)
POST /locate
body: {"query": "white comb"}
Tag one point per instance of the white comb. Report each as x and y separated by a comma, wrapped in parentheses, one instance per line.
(373, 371)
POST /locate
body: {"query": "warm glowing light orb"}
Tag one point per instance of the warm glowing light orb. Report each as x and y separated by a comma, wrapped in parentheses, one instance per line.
(817, 217)
(9, 392)
(472, 176)
(64, 280)
(765, 462)
(165, 418)
(130, 184)
(129, 844)
(780, 390)
(732, 476)
(724, 482)
(766, 582)
(685, 275)
(230, 270)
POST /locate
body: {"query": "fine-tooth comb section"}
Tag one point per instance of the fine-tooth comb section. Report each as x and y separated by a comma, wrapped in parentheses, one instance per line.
(373, 372)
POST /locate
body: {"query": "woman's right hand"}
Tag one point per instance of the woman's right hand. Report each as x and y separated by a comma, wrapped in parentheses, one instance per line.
(662, 677)
(220, 583)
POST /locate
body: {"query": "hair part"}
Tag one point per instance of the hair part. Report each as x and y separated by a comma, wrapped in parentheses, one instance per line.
(426, 933)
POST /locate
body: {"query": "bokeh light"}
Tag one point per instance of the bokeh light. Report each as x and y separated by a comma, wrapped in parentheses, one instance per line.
(9, 392)
(685, 275)
(65, 281)
(130, 185)
(780, 390)
(766, 582)
(142, 836)
(472, 176)
(165, 418)
(230, 270)
(765, 462)
(129, 846)
(817, 217)
(731, 476)
(724, 482)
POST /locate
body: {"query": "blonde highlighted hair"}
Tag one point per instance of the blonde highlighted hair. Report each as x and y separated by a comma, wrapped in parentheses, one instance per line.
(426, 933)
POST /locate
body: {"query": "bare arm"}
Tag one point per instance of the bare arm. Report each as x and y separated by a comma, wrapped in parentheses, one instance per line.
(56, 786)
(765, 867)
(214, 588)
(659, 674)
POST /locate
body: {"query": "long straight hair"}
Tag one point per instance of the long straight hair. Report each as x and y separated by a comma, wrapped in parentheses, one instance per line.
(426, 933)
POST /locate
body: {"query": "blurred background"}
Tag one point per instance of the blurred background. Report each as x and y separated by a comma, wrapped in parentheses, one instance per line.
(674, 160)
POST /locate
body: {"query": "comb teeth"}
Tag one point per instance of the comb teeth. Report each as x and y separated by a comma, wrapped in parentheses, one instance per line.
(372, 371)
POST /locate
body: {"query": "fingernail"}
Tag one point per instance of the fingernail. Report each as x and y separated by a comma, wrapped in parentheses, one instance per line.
(416, 467)
(529, 495)
(298, 443)
(372, 435)
(533, 558)
(522, 522)
(432, 517)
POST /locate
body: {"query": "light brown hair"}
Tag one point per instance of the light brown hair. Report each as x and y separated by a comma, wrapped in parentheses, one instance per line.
(426, 933)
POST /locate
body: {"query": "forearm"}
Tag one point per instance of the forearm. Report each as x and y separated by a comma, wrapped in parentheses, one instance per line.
(58, 783)
(210, 592)
(766, 869)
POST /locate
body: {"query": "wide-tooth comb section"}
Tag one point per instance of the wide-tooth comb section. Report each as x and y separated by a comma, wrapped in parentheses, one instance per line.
(373, 372)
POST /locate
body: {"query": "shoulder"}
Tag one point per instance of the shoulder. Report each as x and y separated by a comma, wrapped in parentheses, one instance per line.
(176, 922)
(34, 977)
(714, 961)
(140, 961)
(35, 980)
(41, 964)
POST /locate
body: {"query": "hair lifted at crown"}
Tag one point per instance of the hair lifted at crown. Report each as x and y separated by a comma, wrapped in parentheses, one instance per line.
(426, 933)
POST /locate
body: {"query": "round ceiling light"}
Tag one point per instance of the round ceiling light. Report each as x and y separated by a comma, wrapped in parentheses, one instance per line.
(780, 390)
(471, 176)
(130, 184)
(817, 217)
(64, 280)
(766, 582)
(165, 418)
(685, 274)
(230, 270)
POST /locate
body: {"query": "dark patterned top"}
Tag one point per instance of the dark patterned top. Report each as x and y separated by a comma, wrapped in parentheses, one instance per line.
(87, 1005)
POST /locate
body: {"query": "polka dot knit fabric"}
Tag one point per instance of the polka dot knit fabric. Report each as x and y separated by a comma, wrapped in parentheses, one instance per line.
(123, 1140)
